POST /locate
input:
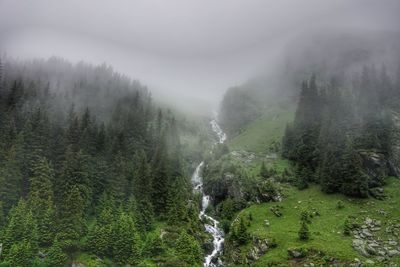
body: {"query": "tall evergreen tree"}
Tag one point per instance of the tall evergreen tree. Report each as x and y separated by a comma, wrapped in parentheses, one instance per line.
(41, 199)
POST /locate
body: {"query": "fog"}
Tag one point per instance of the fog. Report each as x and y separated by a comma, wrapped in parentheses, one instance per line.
(186, 51)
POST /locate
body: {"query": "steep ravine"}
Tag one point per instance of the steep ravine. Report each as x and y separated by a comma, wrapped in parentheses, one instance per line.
(211, 225)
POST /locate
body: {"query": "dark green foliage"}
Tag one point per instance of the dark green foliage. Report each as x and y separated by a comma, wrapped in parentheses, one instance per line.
(77, 156)
(240, 231)
(305, 216)
(20, 236)
(189, 249)
(100, 235)
(20, 254)
(152, 246)
(304, 233)
(263, 171)
(56, 256)
(41, 200)
(10, 179)
(333, 125)
(349, 225)
(141, 190)
(126, 243)
(160, 181)
(339, 205)
(227, 208)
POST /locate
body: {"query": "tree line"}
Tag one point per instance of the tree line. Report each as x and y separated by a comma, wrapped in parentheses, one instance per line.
(344, 132)
(89, 164)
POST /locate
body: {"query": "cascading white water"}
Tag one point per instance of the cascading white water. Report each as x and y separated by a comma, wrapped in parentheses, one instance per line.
(211, 224)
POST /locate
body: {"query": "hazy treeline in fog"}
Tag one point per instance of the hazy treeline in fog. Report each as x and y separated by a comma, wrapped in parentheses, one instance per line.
(327, 54)
(89, 164)
(342, 130)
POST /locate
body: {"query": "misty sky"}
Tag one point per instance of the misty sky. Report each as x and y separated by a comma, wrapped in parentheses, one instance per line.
(194, 49)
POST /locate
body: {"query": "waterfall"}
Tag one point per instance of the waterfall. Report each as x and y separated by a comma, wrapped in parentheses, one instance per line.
(211, 225)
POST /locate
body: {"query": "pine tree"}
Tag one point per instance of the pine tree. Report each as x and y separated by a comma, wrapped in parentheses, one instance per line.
(355, 182)
(41, 199)
(15, 94)
(188, 249)
(47, 227)
(21, 254)
(304, 233)
(176, 203)
(20, 232)
(119, 185)
(142, 191)
(74, 194)
(71, 216)
(263, 171)
(160, 180)
(10, 180)
(100, 236)
(56, 256)
(241, 234)
(126, 241)
(2, 216)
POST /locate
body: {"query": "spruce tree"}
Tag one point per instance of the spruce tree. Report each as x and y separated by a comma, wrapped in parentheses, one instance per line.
(56, 256)
(40, 199)
(160, 179)
(355, 182)
(10, 180)
(263, 171)
(142, 191)
(126, 241)
(304, 233)
(241, 234)
(20, 234)
(188, 249)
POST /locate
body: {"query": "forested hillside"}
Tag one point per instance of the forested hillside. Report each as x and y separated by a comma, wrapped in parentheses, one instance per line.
(90, 169)
(307, 176)
(344, 136)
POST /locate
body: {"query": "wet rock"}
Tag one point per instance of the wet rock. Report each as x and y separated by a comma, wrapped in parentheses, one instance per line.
(208, 246)
(366, 233)
(368, 221)
(260, 247)
(369, 262)
(393, 253)
(253, 255)
(371, 250)
(296, 253)
(375, 165)
(359, 246)
(380, 259)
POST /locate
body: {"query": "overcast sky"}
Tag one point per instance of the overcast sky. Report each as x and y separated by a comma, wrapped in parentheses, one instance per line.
(194, 48)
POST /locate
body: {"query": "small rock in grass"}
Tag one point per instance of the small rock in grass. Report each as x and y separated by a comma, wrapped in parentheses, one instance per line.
(393, 252)
(369, 262)
(380, 259)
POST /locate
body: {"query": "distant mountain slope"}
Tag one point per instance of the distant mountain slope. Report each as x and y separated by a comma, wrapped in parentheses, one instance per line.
(328, 54)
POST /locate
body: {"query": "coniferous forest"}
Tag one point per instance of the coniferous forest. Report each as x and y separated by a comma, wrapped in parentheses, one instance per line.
(221, 133)
(340, 130)
(73, 179)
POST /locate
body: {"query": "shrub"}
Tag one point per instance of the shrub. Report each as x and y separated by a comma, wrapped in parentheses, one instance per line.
(304, 233)
(339, 205)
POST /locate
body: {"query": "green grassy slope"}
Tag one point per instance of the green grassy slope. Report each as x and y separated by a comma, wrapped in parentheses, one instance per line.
(261, 135)
(327, 229)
